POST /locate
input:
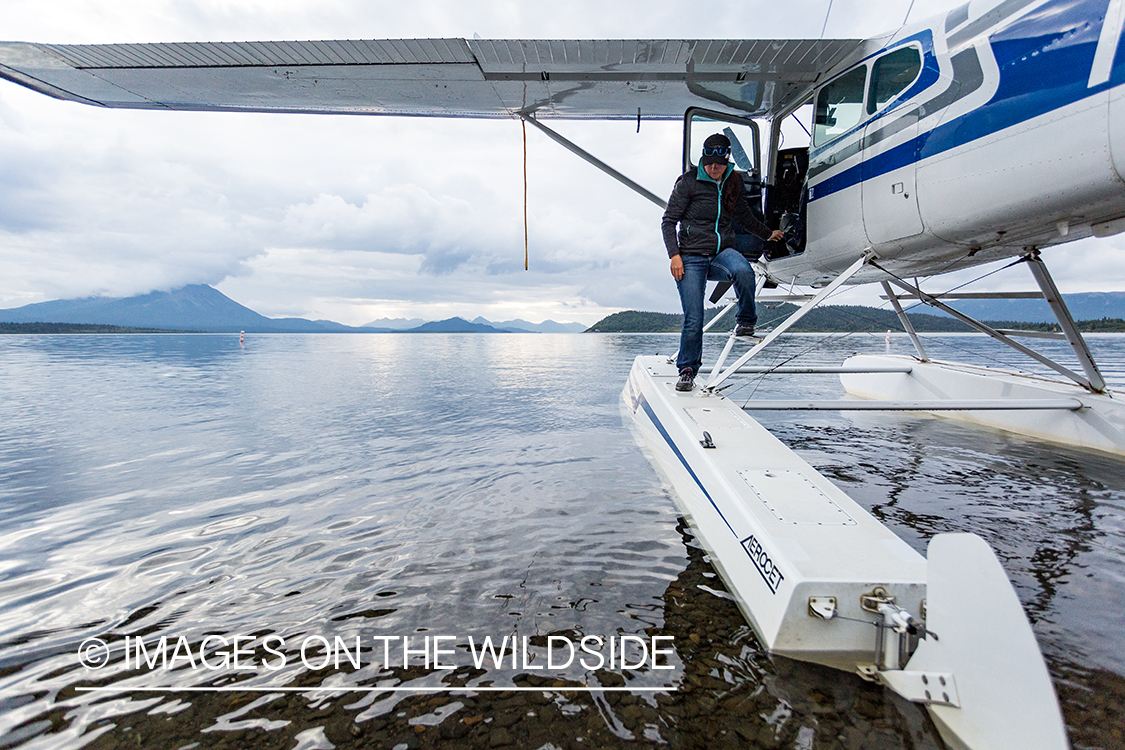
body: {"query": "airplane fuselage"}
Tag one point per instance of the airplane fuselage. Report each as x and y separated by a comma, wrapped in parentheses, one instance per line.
(996, 127)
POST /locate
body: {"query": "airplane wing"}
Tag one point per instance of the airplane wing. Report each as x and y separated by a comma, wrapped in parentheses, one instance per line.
(483, 78)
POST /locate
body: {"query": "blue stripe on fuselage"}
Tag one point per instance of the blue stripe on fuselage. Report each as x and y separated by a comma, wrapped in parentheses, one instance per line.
(1044, 60)
(671, 444)
(888, 161)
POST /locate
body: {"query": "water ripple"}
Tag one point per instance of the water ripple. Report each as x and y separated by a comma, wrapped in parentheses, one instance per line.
(416, 486)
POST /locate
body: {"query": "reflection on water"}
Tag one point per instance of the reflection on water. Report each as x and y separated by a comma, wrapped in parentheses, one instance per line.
(411, 485)
(728, 693)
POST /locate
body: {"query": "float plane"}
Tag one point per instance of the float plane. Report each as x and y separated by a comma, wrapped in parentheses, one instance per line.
(992, 131)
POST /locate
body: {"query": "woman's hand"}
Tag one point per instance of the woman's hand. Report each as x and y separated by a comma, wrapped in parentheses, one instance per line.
(677, 266)
(777, 236)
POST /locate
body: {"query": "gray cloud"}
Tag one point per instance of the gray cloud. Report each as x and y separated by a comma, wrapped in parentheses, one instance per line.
(353, 218)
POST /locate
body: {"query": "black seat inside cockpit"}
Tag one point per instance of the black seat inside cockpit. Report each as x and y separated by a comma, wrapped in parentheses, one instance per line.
(786, 199)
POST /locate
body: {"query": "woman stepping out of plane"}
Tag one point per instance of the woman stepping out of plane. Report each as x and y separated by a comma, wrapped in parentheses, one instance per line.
(705, 202)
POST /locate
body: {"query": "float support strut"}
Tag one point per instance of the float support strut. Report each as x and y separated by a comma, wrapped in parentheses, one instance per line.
(930, 299)
(718, 377)
(1066, 322)
(905, 322)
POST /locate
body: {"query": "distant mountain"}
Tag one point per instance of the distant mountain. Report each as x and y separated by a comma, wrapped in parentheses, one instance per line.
(1083, 306)
(199, 307)
(395, 324)
(523, 326)
(453, 325)
(196, 307)
(513, 326)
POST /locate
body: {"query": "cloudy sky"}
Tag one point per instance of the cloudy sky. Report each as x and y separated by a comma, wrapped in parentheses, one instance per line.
(357, 218)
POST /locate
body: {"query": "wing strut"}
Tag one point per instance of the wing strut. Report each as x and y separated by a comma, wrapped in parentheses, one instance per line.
(576, 149)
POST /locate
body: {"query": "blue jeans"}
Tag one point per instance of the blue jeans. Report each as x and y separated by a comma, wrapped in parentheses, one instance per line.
(729, 265)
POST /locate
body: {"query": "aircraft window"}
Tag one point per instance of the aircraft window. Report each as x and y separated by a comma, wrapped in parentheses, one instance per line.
(891, 74)
(839, 106)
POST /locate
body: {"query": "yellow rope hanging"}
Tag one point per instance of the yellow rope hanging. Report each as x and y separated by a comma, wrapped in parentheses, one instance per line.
(523, 124)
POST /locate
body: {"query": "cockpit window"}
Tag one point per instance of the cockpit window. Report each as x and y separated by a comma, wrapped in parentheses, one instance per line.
(839, 106)
(890, 76)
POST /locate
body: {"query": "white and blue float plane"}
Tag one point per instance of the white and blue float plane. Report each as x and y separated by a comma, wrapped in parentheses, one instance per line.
(992, 131)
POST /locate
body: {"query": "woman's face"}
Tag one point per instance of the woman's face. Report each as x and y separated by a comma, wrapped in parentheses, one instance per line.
(715, 171)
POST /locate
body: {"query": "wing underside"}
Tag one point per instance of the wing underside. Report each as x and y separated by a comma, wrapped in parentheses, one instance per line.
(577, 79)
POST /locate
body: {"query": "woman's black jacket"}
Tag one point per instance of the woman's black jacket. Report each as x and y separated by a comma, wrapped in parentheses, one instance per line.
(694, 205)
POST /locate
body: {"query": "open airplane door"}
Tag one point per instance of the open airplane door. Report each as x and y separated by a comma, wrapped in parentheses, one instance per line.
(746, 150)
(979, 671)
(743, 132)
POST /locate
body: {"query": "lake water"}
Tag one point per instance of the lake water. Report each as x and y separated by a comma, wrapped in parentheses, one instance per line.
(412, 488)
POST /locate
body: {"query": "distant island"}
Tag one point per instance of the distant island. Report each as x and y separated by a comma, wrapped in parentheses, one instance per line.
(73, 328)
(199, 308)
(832, 319)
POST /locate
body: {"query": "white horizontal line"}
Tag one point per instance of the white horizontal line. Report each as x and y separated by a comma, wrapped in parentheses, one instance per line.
(999, 404)
(830, 370)
(973, 295)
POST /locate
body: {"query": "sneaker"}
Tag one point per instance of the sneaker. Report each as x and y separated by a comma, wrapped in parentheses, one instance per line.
(686, 381)
(744, 330)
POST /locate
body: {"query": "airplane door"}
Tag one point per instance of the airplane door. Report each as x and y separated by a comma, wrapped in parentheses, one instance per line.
(742, 131)
(890, 200)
